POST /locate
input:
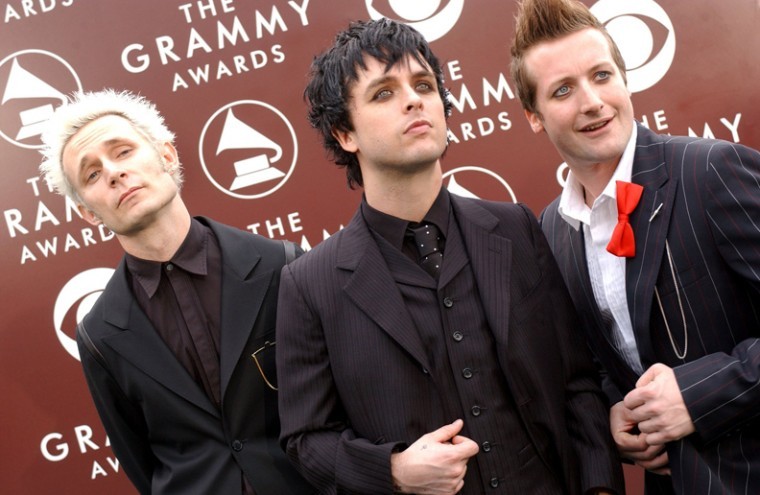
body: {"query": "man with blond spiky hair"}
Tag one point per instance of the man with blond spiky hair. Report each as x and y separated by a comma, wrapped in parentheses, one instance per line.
(658, 239)
(178, 351)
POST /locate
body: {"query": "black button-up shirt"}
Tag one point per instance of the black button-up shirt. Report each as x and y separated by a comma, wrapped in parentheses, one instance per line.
(182, 298)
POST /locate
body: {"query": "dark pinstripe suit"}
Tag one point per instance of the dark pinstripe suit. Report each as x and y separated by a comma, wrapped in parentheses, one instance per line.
(351, 365)
(710, 215)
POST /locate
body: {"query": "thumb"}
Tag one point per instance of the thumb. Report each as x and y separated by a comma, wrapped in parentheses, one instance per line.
(447, 432)
(647, 377)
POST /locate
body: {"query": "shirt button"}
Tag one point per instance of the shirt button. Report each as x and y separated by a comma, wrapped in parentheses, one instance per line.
(169, 267)
(467, 373)
(486, 446)
(237, 445)
(448, 302)
(475, 410)
(494, 482)
(457, 336)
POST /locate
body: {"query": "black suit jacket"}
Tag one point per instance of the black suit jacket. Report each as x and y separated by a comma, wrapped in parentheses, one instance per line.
(352, 366)
(703, 197)
(164, 430)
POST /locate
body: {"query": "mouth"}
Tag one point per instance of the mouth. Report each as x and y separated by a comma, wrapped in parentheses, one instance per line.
(127, 194)
(596, 126)
(417, 126)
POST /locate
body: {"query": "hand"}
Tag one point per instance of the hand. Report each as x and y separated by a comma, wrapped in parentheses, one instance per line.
(657, 405)
(633, 445)
(435, 464)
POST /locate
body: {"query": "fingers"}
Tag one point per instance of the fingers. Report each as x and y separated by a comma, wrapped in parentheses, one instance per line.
(466, 447)
(629, 444)
(658, 464)
(446, 432)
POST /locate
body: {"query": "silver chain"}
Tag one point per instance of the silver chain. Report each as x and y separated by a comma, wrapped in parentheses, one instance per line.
(679, 355)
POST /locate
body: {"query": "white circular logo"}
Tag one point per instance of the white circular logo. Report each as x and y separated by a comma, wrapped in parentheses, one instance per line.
(561, 175)
(469, 182)
(428, 17)
(35, 84)
(248, 149)
(80, 294)
(645, 36)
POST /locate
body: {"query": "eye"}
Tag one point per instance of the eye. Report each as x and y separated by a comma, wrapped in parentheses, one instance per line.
(92, 176)
(603, 75)
(123, 152)
(383, 94)
(425, 87)
(561, 91)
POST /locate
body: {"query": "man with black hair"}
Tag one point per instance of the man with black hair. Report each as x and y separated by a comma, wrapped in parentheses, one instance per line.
(429, 346)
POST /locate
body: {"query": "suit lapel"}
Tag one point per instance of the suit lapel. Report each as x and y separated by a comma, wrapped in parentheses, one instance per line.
(570, 252)
(243, 292)
(372, 288)
(490, 256)
(650, 222)
(140, 344)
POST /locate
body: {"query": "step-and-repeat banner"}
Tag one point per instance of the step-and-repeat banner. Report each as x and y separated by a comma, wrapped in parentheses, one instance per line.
(229, 76)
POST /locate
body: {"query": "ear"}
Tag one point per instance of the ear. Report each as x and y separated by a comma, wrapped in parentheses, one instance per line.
(535, 121)
(88, 215)
(170, 156)
(347, 140)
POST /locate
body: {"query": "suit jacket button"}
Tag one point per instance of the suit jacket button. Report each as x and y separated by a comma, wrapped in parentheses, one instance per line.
(475, 410)
(448, 302)
(494, 482)
(486, 446)
(237, 445)
(457, 336)
(467, 373)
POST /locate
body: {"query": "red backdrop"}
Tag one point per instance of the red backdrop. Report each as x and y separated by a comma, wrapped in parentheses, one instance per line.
(229, 75)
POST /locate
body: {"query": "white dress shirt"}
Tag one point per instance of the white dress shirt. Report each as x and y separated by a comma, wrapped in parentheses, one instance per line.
(607, 271)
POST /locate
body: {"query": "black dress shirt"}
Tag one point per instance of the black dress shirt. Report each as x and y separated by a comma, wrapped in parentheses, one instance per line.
(393, 229)
(182, 298)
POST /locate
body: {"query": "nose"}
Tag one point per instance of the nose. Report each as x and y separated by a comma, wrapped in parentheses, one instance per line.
(591, 101)
(113, 172)
(413, 99)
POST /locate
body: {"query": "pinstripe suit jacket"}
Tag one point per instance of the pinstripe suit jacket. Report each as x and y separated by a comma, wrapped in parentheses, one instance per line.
(352, 367)
(708, 196)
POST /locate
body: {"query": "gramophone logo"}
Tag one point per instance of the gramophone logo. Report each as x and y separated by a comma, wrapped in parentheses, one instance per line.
(77, 297)
(35, 83)
(248, 149)
(478, 183)
(432, 18)
(645, 36)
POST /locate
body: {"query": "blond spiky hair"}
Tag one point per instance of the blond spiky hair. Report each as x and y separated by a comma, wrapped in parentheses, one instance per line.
(84, 108)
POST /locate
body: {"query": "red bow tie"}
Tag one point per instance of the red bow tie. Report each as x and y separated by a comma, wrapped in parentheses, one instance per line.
(622, 242)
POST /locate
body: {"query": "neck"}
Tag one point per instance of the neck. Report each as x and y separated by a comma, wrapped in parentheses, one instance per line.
(594, 179)
(159, 239)
(409, 198)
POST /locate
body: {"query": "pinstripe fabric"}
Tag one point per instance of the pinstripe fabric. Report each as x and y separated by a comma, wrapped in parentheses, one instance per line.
(352, 367)
(706, 195)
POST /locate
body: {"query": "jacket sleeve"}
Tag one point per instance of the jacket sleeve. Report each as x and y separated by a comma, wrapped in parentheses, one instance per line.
(585, 408)
(123, 421)
(315, 432)
(722, 390)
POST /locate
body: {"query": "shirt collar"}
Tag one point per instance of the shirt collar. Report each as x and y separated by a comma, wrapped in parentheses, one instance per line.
(393, 228)
(192, 256)
(572, 204)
